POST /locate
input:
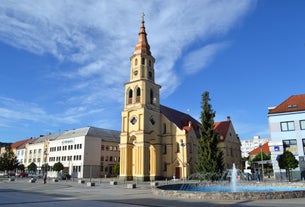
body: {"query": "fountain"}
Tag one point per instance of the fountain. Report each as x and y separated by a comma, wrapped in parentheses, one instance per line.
(196, 187)
(234, 178)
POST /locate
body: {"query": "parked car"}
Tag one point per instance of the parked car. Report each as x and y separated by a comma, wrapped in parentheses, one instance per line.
(33, 175)
(11, 174)
(23, 175)
(64, 176)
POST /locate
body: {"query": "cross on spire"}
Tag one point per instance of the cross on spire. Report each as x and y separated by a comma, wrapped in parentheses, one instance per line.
(143, 16)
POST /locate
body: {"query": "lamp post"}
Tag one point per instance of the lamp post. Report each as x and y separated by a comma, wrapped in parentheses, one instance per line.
(262, 160)
(182, 148)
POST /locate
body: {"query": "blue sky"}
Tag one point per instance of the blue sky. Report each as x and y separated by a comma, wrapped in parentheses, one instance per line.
(64, 63)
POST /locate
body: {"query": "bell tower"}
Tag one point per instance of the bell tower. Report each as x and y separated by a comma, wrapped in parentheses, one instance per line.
(140, 140)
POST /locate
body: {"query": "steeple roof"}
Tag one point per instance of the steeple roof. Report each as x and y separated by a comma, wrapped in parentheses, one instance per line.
(142, 46)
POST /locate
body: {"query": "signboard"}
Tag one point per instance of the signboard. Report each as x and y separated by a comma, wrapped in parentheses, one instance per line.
(276, 148)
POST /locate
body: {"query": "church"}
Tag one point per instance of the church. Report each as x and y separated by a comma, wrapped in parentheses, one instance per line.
(156, 141)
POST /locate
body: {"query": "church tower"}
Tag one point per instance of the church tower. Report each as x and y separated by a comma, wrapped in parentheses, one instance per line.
(140, 141)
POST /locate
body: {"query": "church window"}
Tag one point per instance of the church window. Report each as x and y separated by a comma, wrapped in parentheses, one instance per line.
(149, 63)
(151, 96)
(164, 149)
(138, 95)
(152, 121)
(130, 97)
(150, 74)
(178, 147)
(136, 61)
(143, 61)
(165, 167)
(164, 128)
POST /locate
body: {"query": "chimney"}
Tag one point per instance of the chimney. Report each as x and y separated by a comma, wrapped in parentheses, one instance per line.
(228, 118)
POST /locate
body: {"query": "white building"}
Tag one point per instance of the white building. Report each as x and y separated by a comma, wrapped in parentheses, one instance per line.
(287, 131)
(250, 144)
(85, 152)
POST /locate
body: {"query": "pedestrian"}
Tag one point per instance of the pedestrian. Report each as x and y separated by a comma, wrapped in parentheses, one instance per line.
(45, 178)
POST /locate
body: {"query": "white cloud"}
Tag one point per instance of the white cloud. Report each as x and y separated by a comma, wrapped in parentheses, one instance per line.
(98, 37)
(201, 58)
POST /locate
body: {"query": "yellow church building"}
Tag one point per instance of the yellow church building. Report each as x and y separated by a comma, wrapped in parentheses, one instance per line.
(156, 141)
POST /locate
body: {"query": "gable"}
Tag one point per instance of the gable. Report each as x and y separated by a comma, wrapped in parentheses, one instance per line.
(293, 103)
(180, 119)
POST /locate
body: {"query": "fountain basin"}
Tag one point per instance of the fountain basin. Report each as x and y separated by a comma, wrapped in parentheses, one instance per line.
(245, 191)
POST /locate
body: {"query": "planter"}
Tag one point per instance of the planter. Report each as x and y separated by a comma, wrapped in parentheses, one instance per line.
(113, 182)
(90, 184)
(131, 185)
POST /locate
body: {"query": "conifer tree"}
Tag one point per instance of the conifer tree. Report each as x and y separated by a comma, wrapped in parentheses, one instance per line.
(210, 157)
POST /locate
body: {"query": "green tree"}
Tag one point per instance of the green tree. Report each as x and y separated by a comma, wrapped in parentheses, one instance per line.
(45, 167)
(116, 168)
(265, 157)
(21, 167)
(210, 158)
(288, 162)
(58, 167)
(8, 160)
(32, 167)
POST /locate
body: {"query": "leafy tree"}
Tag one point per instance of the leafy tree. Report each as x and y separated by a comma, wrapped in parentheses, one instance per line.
(58, 167)
(116, 168)
(265, 157)
(8, 160)
(288, 162)
(210, 158)
(32, 167)
(21, 167)
(45, 167)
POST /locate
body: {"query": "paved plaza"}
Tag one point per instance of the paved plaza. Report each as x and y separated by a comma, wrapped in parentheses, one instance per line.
(70, 193)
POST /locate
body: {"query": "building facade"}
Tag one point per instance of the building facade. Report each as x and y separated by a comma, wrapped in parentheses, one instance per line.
(287, 132)
(248, 145)
(156, 141)
(229, 143)
(85, 152)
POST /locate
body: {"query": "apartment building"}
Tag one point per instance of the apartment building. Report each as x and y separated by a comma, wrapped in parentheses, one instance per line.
(85, 152)
(287, 132)
(248, 145)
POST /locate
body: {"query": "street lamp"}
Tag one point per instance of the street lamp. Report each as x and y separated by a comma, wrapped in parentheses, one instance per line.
(182, 146)
(262, 160)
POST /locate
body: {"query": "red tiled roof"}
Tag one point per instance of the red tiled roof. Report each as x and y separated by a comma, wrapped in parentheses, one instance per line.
(222, 128)
(180, 119)
(265, 149)
(19, 143)
(293, 103)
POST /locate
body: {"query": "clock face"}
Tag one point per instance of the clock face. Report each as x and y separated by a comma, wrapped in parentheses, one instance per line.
(135, 72)
(133, 120)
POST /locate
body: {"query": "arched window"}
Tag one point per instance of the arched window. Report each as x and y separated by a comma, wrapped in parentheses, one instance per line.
(151, 96)
(129, 97)
(136, 61)
(143, 61)
(164, 128)
(138, 95)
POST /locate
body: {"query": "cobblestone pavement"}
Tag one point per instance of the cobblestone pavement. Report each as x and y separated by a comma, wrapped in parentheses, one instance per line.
(68, 193)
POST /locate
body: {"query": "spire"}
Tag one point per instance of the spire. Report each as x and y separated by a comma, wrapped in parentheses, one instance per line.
(142, 46)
